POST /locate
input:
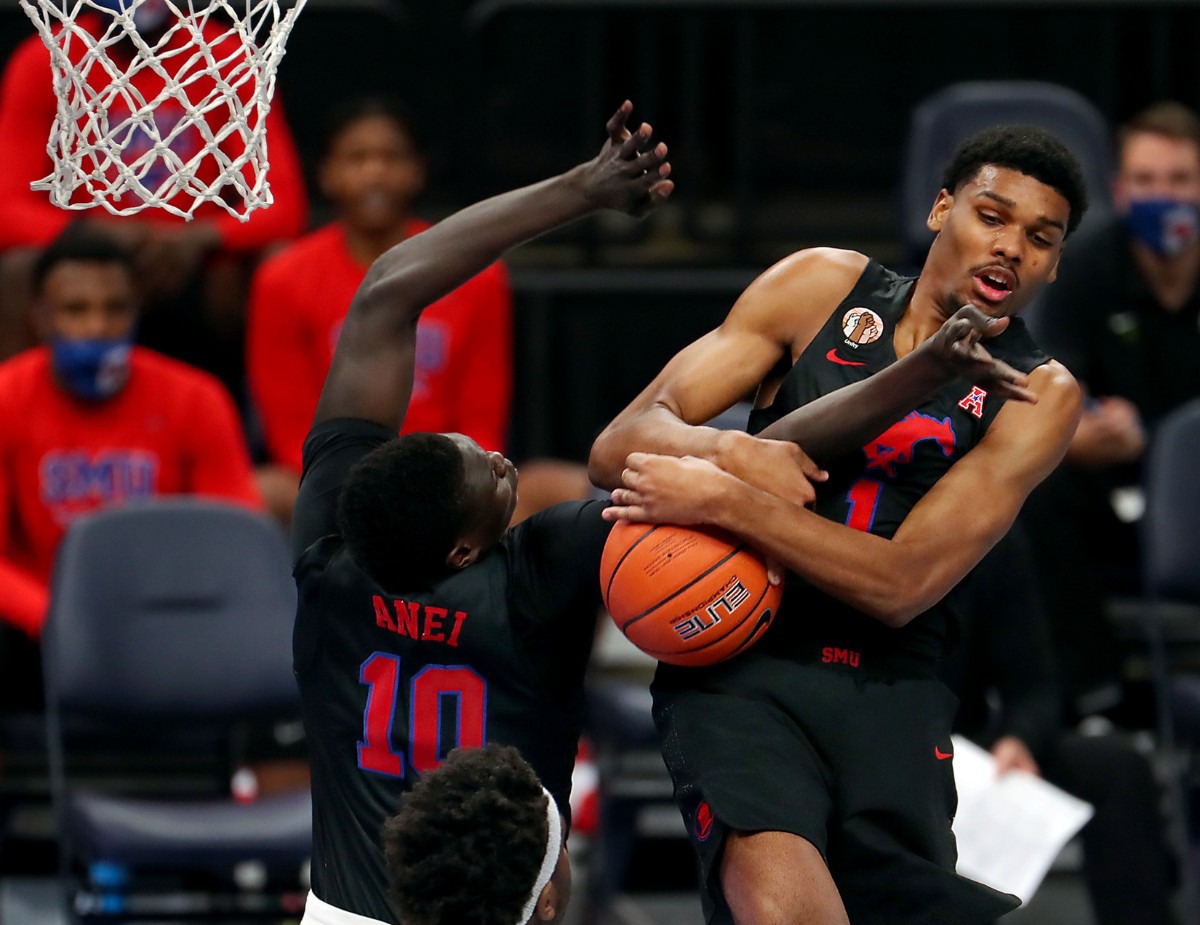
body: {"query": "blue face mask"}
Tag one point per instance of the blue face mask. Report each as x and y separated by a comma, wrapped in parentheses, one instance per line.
(93, 369)
(1166, 226)
(146, 18)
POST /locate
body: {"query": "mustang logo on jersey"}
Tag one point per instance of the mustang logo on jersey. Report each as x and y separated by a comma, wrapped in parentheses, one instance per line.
(896, 445)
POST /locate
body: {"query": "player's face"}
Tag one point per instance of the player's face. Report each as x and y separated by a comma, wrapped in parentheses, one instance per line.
(999, 240)
(1157, 167)
(86, 300)
(372, 173)
(490, 487)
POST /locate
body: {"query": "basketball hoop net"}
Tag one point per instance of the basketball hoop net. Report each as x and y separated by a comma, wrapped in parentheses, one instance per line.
(161, 102)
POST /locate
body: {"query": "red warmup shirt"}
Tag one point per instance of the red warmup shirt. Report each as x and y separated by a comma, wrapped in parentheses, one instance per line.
(171, 430)
(27, 109)
(298, 301)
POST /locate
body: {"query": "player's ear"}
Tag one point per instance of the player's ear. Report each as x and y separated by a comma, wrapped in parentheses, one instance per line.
(462, 555)
(549, 904)
(937, 214)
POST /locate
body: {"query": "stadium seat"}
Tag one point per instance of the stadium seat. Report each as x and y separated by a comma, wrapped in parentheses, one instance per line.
(1170, 616)
(944, 120)
(169, 630)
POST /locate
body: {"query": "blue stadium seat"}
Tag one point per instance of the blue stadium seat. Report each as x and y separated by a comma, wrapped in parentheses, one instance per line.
(170, 629)
(947, 118)
(1171, 615)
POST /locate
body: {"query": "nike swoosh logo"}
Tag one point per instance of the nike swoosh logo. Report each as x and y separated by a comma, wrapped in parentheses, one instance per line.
(941, 755)
(832, 357)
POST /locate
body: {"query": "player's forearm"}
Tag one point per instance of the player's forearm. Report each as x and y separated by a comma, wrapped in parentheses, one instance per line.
(655, 429)
(423, 268)
(884, 579)
(842, 421)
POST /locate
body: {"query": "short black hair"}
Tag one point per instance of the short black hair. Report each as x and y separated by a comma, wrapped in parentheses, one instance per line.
(401, 509)
(468, 842)
(79, 242)
(344, 115)
(1167, 118)
(1026, 148)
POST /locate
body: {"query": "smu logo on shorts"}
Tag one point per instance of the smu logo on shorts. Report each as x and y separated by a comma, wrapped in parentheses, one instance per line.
(896, 445)
(106, 477)
(702, 828)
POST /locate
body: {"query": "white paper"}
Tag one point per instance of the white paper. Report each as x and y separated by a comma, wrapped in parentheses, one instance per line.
(1011, 828)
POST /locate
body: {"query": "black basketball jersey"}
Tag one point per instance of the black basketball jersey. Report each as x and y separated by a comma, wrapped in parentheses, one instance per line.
(874, 489)
(391, 680)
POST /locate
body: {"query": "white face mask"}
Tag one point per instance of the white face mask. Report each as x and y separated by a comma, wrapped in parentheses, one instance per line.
(149, 15)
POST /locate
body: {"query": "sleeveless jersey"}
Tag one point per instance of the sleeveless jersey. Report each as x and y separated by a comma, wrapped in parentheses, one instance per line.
(391, 680)
(874, 489)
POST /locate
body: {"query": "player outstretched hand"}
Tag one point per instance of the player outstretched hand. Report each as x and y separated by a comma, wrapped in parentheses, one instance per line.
(630, 174)
(957, 345)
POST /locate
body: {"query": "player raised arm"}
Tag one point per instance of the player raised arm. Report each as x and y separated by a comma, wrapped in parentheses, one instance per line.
(371, 376)
(893, 580)
(776, 318)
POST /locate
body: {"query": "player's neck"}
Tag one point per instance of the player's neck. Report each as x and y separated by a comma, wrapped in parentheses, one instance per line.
(922, 318)
(1171, 280)
(368, 244)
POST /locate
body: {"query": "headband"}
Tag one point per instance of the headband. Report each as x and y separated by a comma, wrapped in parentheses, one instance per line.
(550, 861)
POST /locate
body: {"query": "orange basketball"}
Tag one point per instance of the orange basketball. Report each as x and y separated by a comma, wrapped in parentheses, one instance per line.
(686, 595)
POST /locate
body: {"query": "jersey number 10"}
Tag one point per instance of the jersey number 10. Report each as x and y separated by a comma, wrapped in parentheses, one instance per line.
(434, 692)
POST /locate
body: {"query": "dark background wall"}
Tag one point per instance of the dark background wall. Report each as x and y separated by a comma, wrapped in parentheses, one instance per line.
(787, 123)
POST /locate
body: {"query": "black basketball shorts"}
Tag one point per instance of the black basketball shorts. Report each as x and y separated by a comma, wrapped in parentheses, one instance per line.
(859, 766)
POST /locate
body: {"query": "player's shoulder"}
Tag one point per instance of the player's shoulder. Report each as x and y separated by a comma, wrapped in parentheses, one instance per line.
(29, 55)
(561, 527)
(22, 375)
(1055, 384)
(1049, 422)
(823, 272)
(798, 293)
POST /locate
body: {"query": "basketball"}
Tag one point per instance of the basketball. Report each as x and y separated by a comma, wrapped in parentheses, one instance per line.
(686, 595)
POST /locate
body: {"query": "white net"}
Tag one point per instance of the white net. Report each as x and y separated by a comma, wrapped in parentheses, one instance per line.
(161, 102)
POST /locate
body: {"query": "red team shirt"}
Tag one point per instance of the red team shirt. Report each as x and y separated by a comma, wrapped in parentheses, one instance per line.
(171, 430)
(27, 109)
(298, 302)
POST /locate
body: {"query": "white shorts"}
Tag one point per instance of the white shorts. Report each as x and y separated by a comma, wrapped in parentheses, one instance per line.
(317, 912)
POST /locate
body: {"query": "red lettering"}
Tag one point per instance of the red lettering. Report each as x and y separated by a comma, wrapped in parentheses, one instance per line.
(459, 619)
(382, 617)
(406, 614)
(830, 655)
(433, 624)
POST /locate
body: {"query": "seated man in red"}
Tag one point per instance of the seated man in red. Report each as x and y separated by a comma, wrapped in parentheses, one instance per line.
(89, 421)
(372, 170)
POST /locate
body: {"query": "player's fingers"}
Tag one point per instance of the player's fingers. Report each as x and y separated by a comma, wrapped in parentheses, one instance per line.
(775, 572)
(625, 513)
(660, 192)
(636, 142)
(648, 161)
(616, 125)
